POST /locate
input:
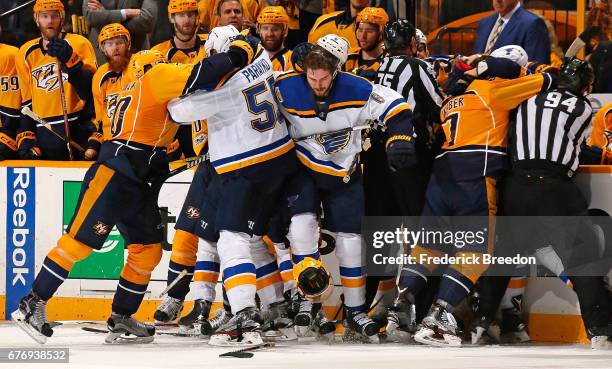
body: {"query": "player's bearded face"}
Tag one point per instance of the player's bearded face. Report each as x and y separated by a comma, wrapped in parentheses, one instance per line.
(49, 23)
(117, 52)
(185, 25)
(272, 36)
(320, 81)
(368, 36)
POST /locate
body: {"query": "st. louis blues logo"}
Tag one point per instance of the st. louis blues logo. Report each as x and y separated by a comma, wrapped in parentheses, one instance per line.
(46, 77)
(333, 142)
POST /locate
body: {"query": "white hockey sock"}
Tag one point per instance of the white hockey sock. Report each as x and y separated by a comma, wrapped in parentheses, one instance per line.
(269, 282)
(206, 273)
(238, 269)
(349, 251)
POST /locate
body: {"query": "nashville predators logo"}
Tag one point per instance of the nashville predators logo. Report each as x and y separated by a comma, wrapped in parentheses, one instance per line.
(46, 77)
(333, 142)
(101, 229)
(192, 212)
(111, 104)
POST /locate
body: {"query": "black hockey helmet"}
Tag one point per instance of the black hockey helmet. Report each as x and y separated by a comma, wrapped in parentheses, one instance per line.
(398, 34)
(576, 75)
(299, 53)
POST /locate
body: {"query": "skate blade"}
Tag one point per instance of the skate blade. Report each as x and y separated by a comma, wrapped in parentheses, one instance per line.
(114, 338)
(225, 340)
(398, 336)
(282, 334)
(19, 319)
(427, 336)
(516, 337)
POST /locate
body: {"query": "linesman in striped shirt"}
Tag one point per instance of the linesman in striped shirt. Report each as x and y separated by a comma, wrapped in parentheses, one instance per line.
(546, 139)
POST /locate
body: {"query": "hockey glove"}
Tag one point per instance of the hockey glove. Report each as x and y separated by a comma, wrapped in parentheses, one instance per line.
(242, 50)
(93, 146)
(8, 147)
(590, 33)
(401, 152)
(28, 146)
(61, 49)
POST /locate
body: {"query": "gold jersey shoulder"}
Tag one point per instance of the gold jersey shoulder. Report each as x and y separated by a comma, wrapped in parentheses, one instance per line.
(39, 77)
(338, 23)
(176, 55)
(141, 114)
(10, 96)
(281, 62)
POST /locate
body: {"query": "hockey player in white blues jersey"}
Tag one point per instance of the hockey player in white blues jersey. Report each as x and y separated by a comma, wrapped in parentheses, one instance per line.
(322, 105)
(253, 154)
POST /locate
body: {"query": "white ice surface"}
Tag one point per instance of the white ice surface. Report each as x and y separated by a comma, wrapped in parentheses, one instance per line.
(87, 350)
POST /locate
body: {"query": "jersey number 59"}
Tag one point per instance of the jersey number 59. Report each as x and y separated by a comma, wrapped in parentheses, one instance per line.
(265, 107)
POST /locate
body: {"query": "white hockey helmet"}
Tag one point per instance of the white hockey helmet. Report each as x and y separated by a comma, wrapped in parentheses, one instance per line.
(420, 37)
(219, 39)
(513, 52)
(335, 45)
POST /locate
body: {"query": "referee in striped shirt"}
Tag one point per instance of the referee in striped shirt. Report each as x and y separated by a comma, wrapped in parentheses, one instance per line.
(546, 136)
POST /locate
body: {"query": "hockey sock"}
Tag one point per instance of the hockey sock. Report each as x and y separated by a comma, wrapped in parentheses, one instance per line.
(348, 251)
(206, 273)
(135, 276)
(238, 269)
(269, 282)
(58, 264)
(283, 258)
(304, 237)
(454, 287)
(183, 257)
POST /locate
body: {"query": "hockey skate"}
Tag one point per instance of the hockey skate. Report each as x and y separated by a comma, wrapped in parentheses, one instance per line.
(304, 318)
(168, 310)
(277, 325)
(199, 313)
(243, 329)
(439, 328)
(512, 328)
(601, 337)
(401, 321)
(31, 317)
(125, 329)
(210, 326)
(484, 330)
(360, 326)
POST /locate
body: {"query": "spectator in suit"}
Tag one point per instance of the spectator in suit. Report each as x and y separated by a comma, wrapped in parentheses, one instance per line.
(138, 16)
(513, 25)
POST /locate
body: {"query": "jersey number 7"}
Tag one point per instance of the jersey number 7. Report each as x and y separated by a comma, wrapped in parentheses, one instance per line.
(262, 107)
(450, 128)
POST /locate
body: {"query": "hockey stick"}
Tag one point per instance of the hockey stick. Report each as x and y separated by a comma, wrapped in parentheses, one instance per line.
(64, 107)
(244, 353)
(17, 8)
(350, 129)
(174, 282)
(27, 111)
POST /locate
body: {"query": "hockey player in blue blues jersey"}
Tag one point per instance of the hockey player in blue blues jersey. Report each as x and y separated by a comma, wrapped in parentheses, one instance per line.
(323, 106)
(251, 150)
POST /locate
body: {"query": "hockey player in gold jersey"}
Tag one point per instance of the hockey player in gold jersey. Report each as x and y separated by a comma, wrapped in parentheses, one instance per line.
(10, 102)
(114, 40)
(341, 23)
(37, 64)
(128, 162)
(186, 47)
(273, 27)
(364, 59)
(464, 183)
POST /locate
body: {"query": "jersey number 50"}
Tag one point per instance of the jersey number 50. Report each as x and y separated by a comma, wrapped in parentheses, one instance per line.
(262, 107)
